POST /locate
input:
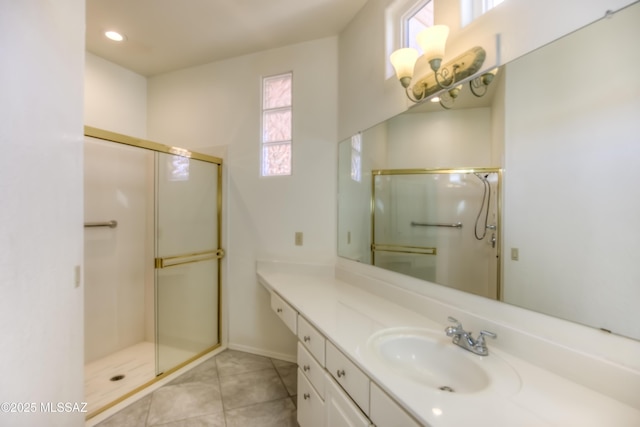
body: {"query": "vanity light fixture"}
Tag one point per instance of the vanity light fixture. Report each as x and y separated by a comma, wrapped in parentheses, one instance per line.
(479, 85)
(114, 35)
(448, 97)
(420, 83)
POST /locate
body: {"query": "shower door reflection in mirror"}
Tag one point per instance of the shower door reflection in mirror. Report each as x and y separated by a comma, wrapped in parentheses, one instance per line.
(187, 253)
(438, 225)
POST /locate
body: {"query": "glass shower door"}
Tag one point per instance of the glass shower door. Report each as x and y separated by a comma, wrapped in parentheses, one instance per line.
(187, 259)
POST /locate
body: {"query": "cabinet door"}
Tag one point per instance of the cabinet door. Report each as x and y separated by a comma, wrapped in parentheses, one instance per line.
(341, 411)
(311, 409)
(386, 413)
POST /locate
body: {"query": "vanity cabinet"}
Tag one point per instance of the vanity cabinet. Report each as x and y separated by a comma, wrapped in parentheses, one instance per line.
(332, 390)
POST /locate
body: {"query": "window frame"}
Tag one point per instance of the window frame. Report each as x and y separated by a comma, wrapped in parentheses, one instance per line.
(406, 40)
(264, 172)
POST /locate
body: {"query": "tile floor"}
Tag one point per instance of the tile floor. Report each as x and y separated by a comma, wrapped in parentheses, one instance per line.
(232, 389)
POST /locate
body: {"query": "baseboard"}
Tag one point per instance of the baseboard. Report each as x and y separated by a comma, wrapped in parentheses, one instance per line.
(261, 352)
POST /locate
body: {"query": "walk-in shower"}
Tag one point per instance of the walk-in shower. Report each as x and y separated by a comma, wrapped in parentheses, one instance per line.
(438, 225)
(152, 262)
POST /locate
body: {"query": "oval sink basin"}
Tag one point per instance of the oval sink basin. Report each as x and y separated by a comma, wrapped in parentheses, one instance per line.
(432, 360)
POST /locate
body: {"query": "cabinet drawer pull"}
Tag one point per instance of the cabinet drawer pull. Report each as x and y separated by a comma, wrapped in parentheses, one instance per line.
(278, 310)
(341, 373)
(306, 338)
(306, 396)
(306, 368)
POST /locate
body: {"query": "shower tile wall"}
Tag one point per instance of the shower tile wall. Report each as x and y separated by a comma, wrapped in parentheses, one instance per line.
(118, 261)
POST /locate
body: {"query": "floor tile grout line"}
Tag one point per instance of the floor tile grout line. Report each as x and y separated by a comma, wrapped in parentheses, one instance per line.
(215, 376)
(280, 377)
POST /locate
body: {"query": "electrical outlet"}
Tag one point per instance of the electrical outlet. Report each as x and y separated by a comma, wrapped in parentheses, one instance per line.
(298, 238)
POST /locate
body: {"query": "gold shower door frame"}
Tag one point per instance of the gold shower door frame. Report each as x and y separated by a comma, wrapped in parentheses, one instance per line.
(420, 250)
(182, 259)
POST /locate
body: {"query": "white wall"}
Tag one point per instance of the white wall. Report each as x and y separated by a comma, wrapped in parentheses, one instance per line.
(42, 44)
(441, 139)
(115, 98)
(215, 108)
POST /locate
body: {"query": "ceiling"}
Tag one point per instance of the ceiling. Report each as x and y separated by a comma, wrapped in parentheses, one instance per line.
(167, 35)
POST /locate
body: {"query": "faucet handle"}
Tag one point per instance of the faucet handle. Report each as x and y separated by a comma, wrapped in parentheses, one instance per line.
(480, 340)
(454, 320)
(453, 330)
(480, 346)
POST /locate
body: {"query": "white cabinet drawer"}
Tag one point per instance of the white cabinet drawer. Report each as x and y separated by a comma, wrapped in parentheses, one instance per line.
(311, 339)
(311, 368)
(340, 410)
(351, 378)
(386, 413)
(311, 409)
(288, 315)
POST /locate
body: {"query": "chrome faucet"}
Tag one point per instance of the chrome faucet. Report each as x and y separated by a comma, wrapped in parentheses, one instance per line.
(464, 339)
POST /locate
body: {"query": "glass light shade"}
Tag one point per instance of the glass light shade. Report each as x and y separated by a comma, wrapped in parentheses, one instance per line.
(403, 61)
(432, 41)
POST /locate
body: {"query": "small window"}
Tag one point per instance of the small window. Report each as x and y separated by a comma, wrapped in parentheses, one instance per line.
(276, 125)
(356, 157)
(404, 19)
(472, 9)
(418, 18)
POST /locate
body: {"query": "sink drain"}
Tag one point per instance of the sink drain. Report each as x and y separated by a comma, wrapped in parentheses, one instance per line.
(447, 388)
(116, 378)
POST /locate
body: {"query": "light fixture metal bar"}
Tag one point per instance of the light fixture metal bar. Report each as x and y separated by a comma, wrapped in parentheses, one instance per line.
(466, 64)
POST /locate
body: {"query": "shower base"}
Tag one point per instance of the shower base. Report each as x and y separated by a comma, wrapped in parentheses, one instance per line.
(137, 366)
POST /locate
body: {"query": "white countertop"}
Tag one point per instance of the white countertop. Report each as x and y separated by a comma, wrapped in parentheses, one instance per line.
(348, 316)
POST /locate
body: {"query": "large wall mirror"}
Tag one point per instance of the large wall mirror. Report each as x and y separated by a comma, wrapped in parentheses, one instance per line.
(555, 145)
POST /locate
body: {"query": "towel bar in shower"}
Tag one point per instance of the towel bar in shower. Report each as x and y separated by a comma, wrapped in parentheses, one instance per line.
(111, 224)
(424, 224)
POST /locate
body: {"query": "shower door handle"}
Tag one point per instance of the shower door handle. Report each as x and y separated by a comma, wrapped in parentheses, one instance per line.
(188, 258)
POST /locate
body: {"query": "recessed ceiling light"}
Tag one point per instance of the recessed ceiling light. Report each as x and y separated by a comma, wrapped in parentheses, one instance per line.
(115, 36)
